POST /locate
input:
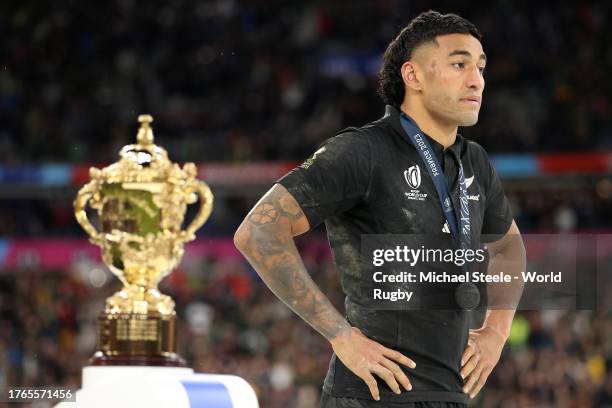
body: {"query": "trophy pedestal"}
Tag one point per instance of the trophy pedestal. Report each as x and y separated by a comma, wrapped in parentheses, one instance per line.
(159, 387)
(136, 340)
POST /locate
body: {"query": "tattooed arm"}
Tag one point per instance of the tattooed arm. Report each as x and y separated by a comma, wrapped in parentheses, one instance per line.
(265, 238)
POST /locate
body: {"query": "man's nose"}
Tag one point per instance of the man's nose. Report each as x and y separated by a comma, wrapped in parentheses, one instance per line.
(474, 79)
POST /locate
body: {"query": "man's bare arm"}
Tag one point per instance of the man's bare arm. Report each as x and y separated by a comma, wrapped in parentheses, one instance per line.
(265, 238)
(507, 255)
(485, 344)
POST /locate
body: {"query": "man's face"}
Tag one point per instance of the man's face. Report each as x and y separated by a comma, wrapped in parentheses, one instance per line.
(452, 78)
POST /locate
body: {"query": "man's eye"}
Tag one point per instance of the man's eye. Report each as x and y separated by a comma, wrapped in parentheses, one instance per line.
(481, 69)
(458, 64)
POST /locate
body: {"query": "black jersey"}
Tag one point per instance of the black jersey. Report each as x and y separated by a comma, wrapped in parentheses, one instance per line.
(363, 181)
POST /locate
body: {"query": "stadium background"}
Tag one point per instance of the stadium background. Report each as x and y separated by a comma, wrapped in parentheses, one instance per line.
(247, 90)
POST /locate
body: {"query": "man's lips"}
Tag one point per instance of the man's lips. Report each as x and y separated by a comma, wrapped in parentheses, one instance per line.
(471, 99)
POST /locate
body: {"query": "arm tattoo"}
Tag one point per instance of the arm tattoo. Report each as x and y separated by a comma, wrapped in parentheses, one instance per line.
(265, 213)
(269, 247)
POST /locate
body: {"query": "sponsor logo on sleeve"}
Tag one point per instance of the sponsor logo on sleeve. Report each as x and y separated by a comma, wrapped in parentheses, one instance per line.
(308, 162)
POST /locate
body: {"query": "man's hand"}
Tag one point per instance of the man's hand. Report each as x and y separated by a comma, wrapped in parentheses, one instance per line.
(480, 357)
(365, 357)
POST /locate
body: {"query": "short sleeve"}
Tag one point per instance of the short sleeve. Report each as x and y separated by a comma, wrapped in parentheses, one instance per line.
(334, 179)
(498, 214)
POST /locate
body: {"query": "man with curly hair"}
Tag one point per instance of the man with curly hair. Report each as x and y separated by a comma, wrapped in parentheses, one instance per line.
(406, 173)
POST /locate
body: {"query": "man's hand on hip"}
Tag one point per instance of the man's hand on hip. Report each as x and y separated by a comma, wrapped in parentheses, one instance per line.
(480, 357)
(365, 357)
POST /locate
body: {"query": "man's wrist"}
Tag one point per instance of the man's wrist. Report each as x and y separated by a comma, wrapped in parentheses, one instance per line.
(502, 332)
(500, 322)
(343, 334)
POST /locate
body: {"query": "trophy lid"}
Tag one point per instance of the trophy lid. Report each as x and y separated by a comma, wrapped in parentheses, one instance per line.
(143, 162)
(145, 153)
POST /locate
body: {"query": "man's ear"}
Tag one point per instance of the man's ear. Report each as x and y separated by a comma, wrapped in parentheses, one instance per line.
(410, 76)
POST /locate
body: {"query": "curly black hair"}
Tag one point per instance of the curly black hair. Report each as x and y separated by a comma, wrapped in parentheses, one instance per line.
(423, 28)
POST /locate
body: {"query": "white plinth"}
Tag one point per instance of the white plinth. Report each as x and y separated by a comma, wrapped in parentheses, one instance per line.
(157, 387)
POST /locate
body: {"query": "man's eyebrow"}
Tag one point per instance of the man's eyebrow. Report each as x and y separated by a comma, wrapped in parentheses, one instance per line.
(467, 54)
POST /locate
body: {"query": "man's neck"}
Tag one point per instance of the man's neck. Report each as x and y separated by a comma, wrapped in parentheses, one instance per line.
(443, 133)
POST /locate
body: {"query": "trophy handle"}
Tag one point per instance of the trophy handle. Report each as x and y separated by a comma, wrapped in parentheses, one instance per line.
(206, 205)
(80, 203)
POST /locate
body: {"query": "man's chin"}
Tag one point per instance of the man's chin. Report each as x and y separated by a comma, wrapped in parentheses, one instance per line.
(468, 120)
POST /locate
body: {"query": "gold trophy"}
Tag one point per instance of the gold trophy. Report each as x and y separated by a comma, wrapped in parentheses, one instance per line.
(141, 202)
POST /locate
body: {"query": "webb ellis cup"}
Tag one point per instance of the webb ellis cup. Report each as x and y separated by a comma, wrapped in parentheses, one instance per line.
(141, 202)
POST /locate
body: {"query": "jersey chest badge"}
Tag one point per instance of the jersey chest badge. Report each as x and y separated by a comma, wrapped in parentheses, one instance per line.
(413, 179)
(468, 183)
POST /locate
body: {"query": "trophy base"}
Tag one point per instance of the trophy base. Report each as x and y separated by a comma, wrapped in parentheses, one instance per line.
(130, 339)
(171, 360)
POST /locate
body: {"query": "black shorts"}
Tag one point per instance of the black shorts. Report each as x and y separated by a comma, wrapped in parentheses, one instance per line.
(327, 401)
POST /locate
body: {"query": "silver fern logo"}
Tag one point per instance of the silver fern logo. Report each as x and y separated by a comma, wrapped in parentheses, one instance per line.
(469, 181)
(413, 176)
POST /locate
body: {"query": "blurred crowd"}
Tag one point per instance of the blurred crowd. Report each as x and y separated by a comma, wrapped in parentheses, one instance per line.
(229, 322)
(265, 80)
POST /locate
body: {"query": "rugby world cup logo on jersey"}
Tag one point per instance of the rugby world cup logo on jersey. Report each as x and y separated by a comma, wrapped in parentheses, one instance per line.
(413, 176)
(413, 179)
